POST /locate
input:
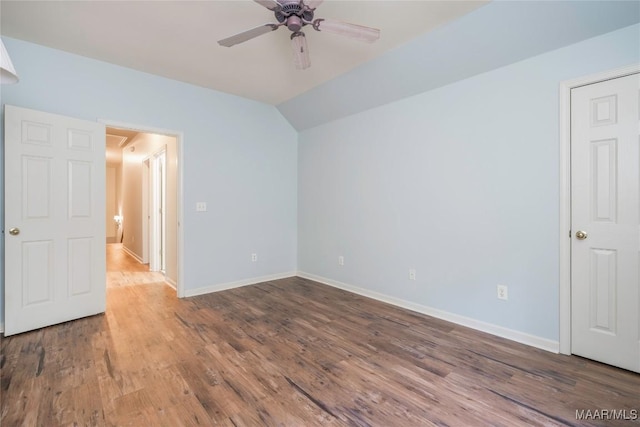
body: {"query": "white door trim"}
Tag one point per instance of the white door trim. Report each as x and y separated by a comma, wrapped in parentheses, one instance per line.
(179, 135)
(565, 192)
(156, 231)
(146, 221)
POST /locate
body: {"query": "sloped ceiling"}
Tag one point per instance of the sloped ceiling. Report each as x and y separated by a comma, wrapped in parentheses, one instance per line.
(498, 34)
(424, 44)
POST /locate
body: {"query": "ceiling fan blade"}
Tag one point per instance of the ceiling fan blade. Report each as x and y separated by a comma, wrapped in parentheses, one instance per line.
(247, 35)
(300, 51)
(312, 4)
(356, 32)
(269, 4)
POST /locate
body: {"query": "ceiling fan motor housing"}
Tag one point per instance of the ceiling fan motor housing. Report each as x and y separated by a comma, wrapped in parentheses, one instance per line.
(294, 13)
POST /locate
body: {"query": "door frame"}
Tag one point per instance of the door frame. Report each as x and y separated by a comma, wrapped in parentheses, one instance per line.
(179, 136)
(146, 221)
(157, 203)
(565, 192)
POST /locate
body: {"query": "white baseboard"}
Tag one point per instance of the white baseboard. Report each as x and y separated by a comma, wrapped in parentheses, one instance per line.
(1, 327)
(237, 284)
(133, 254)
(500, 331)
(171, 282)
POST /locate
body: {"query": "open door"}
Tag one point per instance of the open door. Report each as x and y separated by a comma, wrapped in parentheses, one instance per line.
(54, 219)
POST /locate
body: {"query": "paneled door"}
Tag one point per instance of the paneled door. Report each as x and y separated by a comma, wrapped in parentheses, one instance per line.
(605, 222)
(54, 227)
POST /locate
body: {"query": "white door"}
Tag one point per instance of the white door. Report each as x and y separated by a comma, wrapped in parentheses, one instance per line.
(54, 219)
(605, 223)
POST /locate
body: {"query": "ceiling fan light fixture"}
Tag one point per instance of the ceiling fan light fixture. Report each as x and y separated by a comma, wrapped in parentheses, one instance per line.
(294, 23)
(300, 51)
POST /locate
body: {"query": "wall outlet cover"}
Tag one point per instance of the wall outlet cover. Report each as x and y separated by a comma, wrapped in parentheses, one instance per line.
(503, 293)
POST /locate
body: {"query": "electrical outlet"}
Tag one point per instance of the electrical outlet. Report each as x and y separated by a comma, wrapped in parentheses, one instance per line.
(201, 206)
(412, 274)
(340, 260)
(502, 292)
(254, 257)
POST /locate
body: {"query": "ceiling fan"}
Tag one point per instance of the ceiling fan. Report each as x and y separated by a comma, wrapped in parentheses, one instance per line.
(295, 14)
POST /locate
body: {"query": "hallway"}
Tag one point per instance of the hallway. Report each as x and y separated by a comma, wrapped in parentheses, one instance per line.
(124, 270)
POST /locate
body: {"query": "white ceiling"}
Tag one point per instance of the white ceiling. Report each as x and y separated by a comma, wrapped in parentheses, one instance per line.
(178, 39)
(116, 140)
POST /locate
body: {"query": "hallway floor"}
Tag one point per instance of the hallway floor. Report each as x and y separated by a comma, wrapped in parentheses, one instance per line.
(124, 270)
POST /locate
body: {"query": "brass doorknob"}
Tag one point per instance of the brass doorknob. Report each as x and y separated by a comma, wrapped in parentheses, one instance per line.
(581, 235)
(14, 231)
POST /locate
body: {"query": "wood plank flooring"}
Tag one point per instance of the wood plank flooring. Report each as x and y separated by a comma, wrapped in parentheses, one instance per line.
(290, 352)
(124, 270)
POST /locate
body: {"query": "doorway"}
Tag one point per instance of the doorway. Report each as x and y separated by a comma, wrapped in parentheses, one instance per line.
(600, 236)
(147, 163)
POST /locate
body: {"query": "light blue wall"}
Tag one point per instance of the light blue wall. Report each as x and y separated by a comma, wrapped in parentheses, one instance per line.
(460, 183)
(239, 156)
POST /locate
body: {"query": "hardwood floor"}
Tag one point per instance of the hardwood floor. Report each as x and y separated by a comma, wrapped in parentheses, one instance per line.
(290, 352)
(124, 270)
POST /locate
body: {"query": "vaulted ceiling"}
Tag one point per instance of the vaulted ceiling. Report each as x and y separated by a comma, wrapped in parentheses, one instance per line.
(424, 44)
